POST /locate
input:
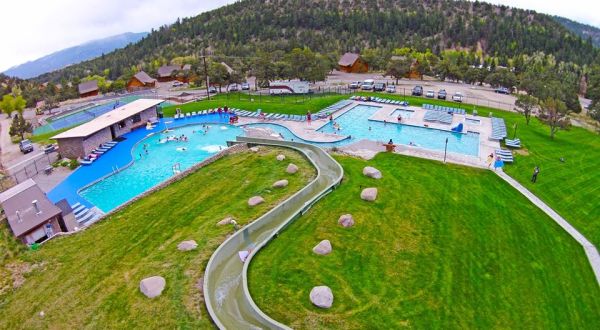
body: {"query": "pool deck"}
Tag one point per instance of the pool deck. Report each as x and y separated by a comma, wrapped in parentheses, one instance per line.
(368, 148)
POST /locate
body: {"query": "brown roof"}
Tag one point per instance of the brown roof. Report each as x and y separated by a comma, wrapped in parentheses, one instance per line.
(19, 199)
(143, 77)
(88, 86)
(348, 59)
(167, 70)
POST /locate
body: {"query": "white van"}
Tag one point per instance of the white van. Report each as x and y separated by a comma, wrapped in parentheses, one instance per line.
(367, 84)
(288, 87)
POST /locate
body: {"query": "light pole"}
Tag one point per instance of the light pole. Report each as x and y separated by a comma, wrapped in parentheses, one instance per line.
(445, 150)
(515, 133)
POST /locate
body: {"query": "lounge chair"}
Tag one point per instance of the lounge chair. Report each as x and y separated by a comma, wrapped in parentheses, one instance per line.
(516, 143)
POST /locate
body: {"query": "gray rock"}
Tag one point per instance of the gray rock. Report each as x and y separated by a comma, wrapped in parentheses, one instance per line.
(225, 221)
(253, 201)
(152, 286)
(323, 248)
(280, 184)
(280, 157)
(369, 194)
(321, 296)
(372, 172)
(187, 245)
(346, 220)
(292, 168)
(254, 149)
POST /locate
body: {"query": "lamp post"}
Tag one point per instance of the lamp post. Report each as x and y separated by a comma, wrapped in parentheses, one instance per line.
(445, 150)
(515, 133)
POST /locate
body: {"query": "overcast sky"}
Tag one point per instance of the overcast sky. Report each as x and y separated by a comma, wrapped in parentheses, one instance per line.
(34, 28)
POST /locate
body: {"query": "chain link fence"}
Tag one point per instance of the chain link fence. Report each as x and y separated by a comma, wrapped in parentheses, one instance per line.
(21, 172)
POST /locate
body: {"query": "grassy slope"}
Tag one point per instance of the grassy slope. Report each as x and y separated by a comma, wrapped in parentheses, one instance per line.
(572, 187)
(442, 247)
(91, 279)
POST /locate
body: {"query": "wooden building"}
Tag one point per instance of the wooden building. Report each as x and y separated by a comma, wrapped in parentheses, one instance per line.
(88, 88)
(32, 217)
(414, 72)
(352, 63)
(167, 72)
(140, 80)
(83, 139)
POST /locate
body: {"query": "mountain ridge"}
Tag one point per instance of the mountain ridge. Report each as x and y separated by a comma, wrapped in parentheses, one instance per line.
(73, 55)
(242, 28)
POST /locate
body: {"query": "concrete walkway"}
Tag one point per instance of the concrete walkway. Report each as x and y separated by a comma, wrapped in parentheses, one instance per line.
(588, 247)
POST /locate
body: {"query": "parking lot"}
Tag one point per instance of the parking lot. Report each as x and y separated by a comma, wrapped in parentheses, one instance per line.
(478, 95)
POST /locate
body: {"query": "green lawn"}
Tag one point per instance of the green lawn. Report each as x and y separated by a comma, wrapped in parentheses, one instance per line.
(570, 187)
(442, 247)
(289, 104)
(45, 138)
(90, 280)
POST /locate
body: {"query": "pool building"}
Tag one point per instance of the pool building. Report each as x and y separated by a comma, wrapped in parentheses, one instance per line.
(82, 140)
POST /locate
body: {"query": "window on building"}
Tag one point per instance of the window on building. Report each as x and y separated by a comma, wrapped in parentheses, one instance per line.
(122, 124)
(136, 118)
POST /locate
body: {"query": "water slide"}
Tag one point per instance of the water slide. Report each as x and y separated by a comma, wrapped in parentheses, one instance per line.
(226, 290)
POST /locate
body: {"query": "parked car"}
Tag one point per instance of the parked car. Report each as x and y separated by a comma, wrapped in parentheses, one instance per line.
(502, 90)
(245, 86)
(26, 146)
(457, 97)
(430, 94)
(417, 91)
(177, 83)
(212, 89)
(50, 148)
(233, 88)
(355, 85)
(367, 84)
(442, 94)
(379, 87)
(391, 89)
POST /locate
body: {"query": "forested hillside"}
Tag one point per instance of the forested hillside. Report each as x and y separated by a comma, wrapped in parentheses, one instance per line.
(583, 30)
(336, 26)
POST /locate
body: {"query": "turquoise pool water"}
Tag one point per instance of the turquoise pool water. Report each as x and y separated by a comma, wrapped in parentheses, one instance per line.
(356, 123)
(405, 113)
(155, 166)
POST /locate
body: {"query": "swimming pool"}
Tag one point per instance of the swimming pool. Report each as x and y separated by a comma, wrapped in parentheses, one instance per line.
(355, 122)
(156, 165)
(405, 113)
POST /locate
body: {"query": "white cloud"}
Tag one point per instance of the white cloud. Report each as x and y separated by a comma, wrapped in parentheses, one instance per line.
(34, 28)
(583, 11)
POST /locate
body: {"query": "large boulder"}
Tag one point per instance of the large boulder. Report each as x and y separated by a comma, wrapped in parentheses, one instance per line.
(224, 222)
(346, 220)
(321, 296)
(280, 157)
(254, 149)
(323, 248)
(187, 245)
(152, 286)
(253, 201)
(369, 194)
(372, 172)
(280, 184)
(292, 168)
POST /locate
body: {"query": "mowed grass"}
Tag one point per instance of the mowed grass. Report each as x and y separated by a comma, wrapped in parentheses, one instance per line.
(289, 104)
(571, 187)
(443, 246)
(91, 279)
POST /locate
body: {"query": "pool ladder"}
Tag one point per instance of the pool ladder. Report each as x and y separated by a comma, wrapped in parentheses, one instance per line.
(115, 169)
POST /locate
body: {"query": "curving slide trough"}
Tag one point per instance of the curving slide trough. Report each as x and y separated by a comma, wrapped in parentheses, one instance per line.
(226, 277)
